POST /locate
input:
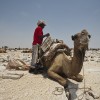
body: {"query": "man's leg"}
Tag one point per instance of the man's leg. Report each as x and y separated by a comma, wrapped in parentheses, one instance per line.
(34, 55)
(33, 67)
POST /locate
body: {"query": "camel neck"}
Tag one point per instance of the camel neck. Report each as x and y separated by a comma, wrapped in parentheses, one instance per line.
(77, 61)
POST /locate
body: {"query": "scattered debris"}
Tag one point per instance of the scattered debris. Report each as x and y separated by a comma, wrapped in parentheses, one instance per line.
(10, 75)
(17, 64)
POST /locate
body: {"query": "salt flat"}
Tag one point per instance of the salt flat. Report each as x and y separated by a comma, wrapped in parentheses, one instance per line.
(29, 87)
(40, 87)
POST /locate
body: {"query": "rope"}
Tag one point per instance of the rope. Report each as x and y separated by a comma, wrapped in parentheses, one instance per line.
(58, 91)
(83, 88)
(84, 82)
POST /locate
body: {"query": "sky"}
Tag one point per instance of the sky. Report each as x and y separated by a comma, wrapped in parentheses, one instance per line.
(64, 18)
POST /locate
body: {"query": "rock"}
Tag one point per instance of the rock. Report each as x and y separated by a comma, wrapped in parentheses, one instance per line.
(10, 75)
(98, 60)
(86, 59)
(92, 59)
(2, 60)
(2, 68)
(6, 76)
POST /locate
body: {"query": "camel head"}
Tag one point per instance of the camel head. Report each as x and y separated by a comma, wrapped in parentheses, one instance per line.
(81, 40)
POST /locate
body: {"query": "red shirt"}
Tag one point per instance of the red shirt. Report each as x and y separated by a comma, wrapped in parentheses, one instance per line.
(37, 34)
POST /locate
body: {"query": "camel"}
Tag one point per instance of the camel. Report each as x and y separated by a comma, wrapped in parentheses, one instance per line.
(61, 64)
(2, 50)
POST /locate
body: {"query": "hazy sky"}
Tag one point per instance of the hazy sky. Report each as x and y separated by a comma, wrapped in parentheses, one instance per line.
(18, 19)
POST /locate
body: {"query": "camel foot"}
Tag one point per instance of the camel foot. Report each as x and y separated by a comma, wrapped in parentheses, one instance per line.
(77, 78)
(58, 78)
(64, 83)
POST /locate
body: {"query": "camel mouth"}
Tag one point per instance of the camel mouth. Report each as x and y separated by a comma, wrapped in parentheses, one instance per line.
(84, 43)
(83, 47)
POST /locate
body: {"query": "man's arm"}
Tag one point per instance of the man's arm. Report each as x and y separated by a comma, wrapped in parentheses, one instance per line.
(46, 35)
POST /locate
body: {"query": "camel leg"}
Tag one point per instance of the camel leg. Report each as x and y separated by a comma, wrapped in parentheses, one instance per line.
(58, 78)
(77, 78)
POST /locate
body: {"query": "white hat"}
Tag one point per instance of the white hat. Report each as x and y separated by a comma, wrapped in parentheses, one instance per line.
(41, 22)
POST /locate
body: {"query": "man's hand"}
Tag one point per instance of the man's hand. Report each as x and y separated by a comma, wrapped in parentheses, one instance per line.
(47, 34)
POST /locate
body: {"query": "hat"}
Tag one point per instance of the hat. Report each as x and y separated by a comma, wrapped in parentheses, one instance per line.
(41, 22)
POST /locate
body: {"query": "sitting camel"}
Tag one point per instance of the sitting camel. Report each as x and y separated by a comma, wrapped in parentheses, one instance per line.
(61, 64)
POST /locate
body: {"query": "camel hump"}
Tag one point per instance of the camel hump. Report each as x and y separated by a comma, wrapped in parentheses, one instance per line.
(59, 47)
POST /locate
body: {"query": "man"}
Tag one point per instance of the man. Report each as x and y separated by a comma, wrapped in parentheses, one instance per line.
(37, 41)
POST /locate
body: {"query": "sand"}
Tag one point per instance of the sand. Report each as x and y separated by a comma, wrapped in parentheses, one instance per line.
(40, 87)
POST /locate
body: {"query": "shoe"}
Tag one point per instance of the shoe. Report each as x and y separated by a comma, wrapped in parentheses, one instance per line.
(35, 71)
(31, 70)
(33, 67)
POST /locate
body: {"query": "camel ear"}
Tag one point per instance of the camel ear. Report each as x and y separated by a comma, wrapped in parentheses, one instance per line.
(89, 36)
(74, 37)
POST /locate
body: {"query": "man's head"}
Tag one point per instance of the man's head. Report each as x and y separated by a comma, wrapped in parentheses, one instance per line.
(41, 23)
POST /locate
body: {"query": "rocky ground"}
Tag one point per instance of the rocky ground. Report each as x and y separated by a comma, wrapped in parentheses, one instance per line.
(21, 85)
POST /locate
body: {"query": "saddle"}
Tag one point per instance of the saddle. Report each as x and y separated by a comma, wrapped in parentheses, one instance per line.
(52, 47)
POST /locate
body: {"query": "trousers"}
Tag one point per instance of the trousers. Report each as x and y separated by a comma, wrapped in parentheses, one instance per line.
(35, 54)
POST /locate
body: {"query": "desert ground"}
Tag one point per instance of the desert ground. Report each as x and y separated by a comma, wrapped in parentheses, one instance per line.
(21, 85)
